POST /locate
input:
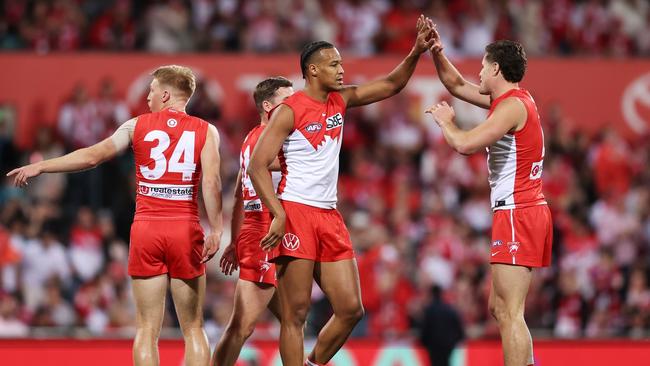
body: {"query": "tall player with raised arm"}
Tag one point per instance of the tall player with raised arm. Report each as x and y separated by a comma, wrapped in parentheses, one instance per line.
(307, 131)
(522, 229)
(255, 289)
(174, 152)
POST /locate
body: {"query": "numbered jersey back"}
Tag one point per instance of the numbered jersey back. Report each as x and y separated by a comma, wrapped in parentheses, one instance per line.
(167, 147)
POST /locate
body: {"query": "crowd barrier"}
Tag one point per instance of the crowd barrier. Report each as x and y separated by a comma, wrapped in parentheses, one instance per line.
(30, 352)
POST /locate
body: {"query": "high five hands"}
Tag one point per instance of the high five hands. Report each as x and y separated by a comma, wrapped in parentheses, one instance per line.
(428, 38)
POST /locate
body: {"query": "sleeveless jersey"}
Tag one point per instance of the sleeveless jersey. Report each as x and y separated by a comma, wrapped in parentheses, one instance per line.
(515, 162)
(167, 147)
(309, 158)
(252, 202)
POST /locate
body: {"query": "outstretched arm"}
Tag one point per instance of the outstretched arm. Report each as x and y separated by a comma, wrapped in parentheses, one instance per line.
(393, 83)
(81, 159)
(265, 152)
(211, 187)
(451, 77)
(509, 116)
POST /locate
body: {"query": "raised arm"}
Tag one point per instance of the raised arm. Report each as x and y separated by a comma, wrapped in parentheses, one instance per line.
(211, 187)
(265, 152)
(509, 116)
(81, 159)
(451, 77)
(393, 83)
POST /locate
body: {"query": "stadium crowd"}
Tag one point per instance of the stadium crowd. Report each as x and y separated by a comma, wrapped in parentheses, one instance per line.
(617, 28)
(418, 214)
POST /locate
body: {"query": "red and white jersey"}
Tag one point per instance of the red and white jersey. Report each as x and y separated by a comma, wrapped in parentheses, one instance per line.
(252, 202)
(515, 162)
(167, 146)
(309, 158)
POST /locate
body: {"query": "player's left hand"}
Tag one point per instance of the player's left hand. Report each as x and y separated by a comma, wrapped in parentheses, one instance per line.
(24, 173)
(275, 234)
(229, 261)
(425, 39)
(442, 113)
(210, 246)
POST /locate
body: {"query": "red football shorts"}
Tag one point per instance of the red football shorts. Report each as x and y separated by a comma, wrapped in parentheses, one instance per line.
(522, 236)
(254, 262)
(314, 233)
(173, 247)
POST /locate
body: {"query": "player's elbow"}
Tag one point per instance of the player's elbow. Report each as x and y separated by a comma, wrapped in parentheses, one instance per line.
(255, 168)
(465, 149)
(92, 159)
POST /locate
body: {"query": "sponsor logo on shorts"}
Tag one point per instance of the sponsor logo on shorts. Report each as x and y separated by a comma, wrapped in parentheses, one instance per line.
(290, 241)
(314, 127)
(172, 122)
(334, 121)
(167, 191)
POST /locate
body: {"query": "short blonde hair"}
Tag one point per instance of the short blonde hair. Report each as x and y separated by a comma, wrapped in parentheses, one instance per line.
(179, 77)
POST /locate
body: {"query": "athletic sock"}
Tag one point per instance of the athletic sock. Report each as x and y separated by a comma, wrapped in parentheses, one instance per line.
(309, 362)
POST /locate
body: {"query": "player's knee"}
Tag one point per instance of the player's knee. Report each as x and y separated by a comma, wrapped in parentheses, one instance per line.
(148, 332)
(352, 313)
(241, 329)
(297, 313)
(504, 314)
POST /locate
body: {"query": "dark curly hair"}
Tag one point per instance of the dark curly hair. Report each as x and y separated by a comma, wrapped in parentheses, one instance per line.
(510, 56)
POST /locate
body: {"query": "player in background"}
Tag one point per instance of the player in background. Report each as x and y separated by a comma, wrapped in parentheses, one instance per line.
(174, 152)
(512, 133)
(307, 130)
(250, 222)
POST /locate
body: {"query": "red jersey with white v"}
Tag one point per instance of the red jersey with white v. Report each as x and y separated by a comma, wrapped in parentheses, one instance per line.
(252, 202)
(167, 147)
(515, 162)
(310, 154)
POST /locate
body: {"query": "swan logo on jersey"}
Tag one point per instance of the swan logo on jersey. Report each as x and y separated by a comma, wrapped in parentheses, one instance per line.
(172, 122)
(313, 127)
(290, 241)
(334, 121)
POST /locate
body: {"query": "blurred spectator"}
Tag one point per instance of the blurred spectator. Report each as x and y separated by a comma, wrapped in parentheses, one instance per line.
(115, 29)
(168, 25)
(86, 252)
(111, 111)
(441, 329)
(78, 120)
(44, 259)
(10, 323)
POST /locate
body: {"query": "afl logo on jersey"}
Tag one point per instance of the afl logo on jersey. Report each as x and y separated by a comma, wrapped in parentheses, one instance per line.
(172, 122)
(313, 127)
(290, 241)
